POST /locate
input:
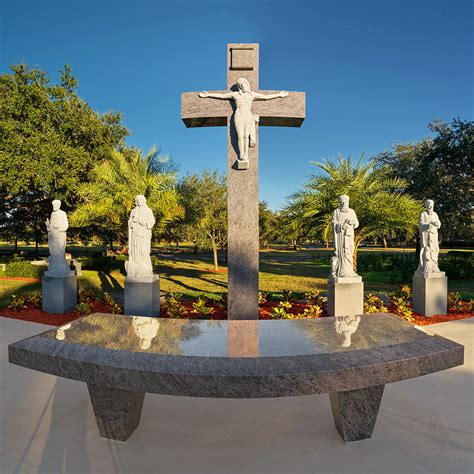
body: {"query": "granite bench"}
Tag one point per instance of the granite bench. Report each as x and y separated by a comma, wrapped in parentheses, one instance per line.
(123, 357)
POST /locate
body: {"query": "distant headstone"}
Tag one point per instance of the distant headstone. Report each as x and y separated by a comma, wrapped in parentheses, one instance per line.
(59, 282)
(430, 285)
(345, 287)
(142, 287)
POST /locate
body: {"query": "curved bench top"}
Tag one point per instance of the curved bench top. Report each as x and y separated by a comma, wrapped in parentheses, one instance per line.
(237, 359)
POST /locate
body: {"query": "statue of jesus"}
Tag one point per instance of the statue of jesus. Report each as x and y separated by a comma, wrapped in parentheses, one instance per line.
(140, 224)
(244, 121)
(344, 221)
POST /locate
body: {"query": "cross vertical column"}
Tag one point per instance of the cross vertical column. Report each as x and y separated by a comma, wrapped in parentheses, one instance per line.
(242, 201)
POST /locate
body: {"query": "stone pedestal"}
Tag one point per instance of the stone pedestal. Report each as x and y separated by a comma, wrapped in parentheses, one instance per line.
(117, 412)
(345, 296)
(142, 296)
(430, 293)
(59, 293)
(355, 411)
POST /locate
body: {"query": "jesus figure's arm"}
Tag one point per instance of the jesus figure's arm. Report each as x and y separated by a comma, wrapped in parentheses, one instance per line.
(215, 95)
(259, 96)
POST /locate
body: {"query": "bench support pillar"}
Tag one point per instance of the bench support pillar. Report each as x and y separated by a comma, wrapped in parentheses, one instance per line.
(117, 412)
(355, 411)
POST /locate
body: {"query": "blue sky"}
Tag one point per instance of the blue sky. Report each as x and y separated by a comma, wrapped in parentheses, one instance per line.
(374, 72)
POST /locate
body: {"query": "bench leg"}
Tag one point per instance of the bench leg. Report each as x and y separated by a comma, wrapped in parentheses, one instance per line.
(117, 412)
(355, 411)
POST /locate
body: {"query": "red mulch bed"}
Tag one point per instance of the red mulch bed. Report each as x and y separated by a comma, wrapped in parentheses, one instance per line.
(38, 316)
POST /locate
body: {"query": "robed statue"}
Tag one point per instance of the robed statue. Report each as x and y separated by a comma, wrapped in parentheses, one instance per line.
(429, 224)
(140, 223)
(244, 121)
(57, 226)
(344, 221)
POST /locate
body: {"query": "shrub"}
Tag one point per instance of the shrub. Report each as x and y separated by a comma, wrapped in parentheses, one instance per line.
(288, 296)
(401, 303)
(83, 308)
(87, 295)
(17, 302)
(262, 297)
(199, 307)
(312, 311)
(34, 299)
(104, 264)
(173, 306)
(457, 265)
(373, 304)
(281, 311)
(455, 302)
(24, 269)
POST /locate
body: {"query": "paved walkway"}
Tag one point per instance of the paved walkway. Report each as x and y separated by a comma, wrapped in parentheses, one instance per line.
(424, 425)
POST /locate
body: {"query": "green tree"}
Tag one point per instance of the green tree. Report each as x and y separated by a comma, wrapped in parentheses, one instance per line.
(107, 200)
(440, 168)
(49, 140)
(267, 224)
(204, 198)
(375, 195)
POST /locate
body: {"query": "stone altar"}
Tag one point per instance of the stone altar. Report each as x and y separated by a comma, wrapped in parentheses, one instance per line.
(59, 282)
(142, 286)
(430, 285)
(232, 359)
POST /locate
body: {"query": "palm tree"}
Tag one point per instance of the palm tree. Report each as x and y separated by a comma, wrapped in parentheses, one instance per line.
(375, 195)
(109, 197)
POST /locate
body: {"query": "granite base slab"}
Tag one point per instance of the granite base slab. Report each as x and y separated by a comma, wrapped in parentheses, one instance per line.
(142, 296)
(430, 293)
(59, 293)
(345, 296)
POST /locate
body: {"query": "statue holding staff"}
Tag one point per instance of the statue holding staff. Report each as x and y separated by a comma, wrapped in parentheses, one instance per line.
(344, 221)
(429, 224)
(244, 121)
(57, 226)
(140, 223)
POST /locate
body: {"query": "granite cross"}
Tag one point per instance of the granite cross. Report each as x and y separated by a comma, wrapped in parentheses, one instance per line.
(242, 202)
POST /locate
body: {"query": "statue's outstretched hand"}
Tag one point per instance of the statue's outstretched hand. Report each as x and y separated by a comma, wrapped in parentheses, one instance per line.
(283, 94)
(203, 94)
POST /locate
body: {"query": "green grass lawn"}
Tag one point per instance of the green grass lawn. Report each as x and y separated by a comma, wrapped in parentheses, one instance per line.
(192, 274)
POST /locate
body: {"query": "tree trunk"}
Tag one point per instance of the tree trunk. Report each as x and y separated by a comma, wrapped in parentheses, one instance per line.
(384, 241)
(16, 243)
(195, 249)
(356, 248)
(214, 252)
(177, 244)
(37, 244)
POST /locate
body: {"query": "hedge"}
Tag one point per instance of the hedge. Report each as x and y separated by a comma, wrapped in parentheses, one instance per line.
(24, 270)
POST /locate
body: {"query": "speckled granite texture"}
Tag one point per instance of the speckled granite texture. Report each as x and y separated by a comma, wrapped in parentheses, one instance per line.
(237, 359)
(117, 412)
(355, 411)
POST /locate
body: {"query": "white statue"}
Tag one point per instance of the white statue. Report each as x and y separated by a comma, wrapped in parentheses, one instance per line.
(139, 239)
(244, 121)
(347, 325)
(429, 224)
(344, 221)
(146, 329)
(56, 226)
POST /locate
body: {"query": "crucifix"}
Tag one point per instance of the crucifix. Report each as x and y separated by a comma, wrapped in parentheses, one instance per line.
(242, 108)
